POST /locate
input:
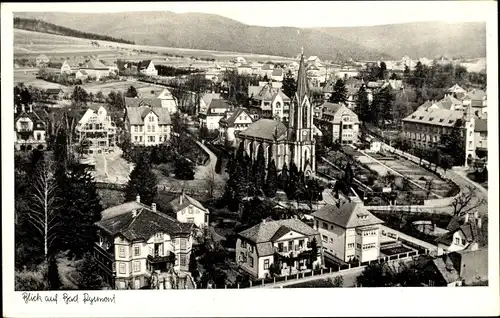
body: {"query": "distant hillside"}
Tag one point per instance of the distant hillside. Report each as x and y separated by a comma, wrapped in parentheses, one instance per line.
(214, 32)
(45, 27)
(420, 39)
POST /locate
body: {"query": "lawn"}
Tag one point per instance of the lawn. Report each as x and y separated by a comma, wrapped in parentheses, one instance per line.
(320, 283)
(107, 87)
(28, 77)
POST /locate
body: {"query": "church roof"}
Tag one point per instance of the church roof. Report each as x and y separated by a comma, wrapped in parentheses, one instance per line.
(302, 87)
(264, 128)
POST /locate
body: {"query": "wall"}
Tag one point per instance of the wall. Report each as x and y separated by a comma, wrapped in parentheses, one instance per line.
(192, 212)
(249, 251)
(336, 238)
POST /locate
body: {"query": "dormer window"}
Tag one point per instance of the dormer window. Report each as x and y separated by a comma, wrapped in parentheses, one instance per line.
(450, 121)
(421, 117)
(441, 120)
(432, 118)
(151, 119)
(413, 117)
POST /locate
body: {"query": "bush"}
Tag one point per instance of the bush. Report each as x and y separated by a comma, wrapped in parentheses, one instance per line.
(35, 280)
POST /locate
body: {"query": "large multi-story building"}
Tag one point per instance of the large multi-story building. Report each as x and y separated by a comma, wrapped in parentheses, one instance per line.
(216, 109)
(338, 123)
(30, 129)
(148, 124)
(284, 243)
(424, 127)
(271, 102)
(189, 210)
(349, 232)
(234, 121)
(139, 246)
(96, 131)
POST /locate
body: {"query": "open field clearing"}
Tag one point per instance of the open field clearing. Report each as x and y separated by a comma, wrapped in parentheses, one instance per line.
(51, 44)
(107, 87)
(28, 77)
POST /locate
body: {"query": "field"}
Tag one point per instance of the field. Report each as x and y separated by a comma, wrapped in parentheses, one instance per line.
(107, 87)
(28, 77)
(29, 43)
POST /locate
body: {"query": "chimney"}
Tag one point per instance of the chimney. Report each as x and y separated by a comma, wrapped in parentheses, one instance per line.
(22, 108)
(466, 219)
(138, 199)
(153, 207)
(181, 197)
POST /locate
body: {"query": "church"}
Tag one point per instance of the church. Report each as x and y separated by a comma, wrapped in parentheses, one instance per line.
(286, 141)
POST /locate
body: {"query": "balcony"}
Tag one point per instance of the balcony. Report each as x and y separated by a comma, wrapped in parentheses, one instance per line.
(157, 258)
(291, 252)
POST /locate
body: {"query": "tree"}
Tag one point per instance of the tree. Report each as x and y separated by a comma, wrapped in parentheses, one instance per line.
(468, 200)
(271, 186)
(339, 94)
(289, 84)
(259, 169)
(43, 210)
(79, 95)
(363, 105)
(193, 267)
(142, 182)
(210, 181)
(314, 251)
(453, 144)
(381, 108)
(338, 281)
(131, 92)
(348, 175)
(88, 270)
(255, 210)
(383, 70)
(99, 96)
(184, 170)
(394, 76)
(54, 280)
(375, 275)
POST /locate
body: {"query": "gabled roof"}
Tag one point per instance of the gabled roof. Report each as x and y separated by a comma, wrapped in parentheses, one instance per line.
(84, 72)
(448, 101)
(481, 125)
(119, 220)
(266, 67)
(138, 102)
(266, 231)
(219, 103)
(476, 94)
(282, 95)
(175, 205)
(207, 98)
(254, 90)
(53, 90)
(277, 72)
(136, 115)
(264, 128)
(349, 215)
(144, 64)
(95, 64)
(95, 107)
(469, 230)
(455, 89)
(231, 119)
(34, 116)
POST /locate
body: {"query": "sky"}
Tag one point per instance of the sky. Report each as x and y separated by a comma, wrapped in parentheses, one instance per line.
(305, 13)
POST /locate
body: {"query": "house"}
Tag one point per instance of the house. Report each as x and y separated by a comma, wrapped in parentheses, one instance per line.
(54, 93)
(113, 67)
(284, 244)
(30, 128)
(481, 136)
(188, 210)
(216, 109)
(338, 122)
(425, 61)
(168, 100)
(277, 75)
(148, 124)
(236, 120)
(206, 99)
(461, 236)
(266, 70)
(456, 89)
(244, 69)
(81, 75)
(271, 103)
(42, 60)
(147, 68)
(96, 131)
(460, 268)
(313, 60)
(346, 73)
(95, 69)
(139, 246)
(240, 59)
(407, 61)
(476, 99)
(425, 126)
(66, 68)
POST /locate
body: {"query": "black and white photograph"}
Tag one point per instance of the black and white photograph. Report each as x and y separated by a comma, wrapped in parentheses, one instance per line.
(242, 146)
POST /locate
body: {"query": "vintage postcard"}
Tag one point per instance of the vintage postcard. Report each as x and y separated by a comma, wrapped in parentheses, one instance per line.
(268, 158)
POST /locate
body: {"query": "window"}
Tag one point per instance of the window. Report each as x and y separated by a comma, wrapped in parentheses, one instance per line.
(136, 128)
(136, 138)
(140, 128)
(151, 119)
(190, 220)
(325, 238)
(369, 246)
(140, 138)
(331, 240)
(38, 136)
(243, 244)
(457, 241)
(250, 261)
(301, 243)
(350, 245)
(325, 226)
(149, 128)
(332, 227)
(122, 251)
(137, 266)
(190, 210)
(358, 245)
(280, 247)
(183, 260)
(266, 264)
(122, 268)
(137, 250)
(183, 243)
(463, 241)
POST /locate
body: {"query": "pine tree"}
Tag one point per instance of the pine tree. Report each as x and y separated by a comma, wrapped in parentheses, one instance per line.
(348, 175)
(363, 105)
(283, 179)
(142, 182)
(339, 94)
(193, 267)
(271, 180)
(89, 278)
(259, 169)
(289, 85)
(131, 92)
(293, 181)
(383, 70)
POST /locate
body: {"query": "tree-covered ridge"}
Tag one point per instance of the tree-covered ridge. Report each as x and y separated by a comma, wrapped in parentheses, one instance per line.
(45, 27)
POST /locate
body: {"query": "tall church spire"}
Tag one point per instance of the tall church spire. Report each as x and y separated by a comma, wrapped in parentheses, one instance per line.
(302, 87)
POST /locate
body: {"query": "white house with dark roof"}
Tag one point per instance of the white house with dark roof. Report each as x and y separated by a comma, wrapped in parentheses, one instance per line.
(338, 122)
(147, 68)
(96, 131)
(284, 243)
(348, 232)
(234, 121)
(215, 111)
(271, 102)
(147, 123)
(139, 247)
(189, 210)
(461, 236)
(95, 68)
(30, 127)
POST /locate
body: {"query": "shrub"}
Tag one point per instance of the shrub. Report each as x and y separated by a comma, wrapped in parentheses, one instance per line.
(35, 280)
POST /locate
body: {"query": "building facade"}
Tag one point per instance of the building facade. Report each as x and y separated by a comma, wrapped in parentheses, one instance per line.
(284, 244)
(234, 121)
(189, 210)
(148, 68)
(338, 123)
(30, 129)
(148, 125)
(349, 232)
(97, 133)
(138, 244)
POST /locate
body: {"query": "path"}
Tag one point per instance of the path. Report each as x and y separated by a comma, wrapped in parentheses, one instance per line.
(432, 248)
(65, 268)
(202, 171)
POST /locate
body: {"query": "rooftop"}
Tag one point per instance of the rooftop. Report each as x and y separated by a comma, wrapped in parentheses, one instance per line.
(349, 215)
(264, 128)
(136, 115)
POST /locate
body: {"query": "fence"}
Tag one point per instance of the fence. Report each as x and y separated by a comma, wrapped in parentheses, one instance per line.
(320, 273)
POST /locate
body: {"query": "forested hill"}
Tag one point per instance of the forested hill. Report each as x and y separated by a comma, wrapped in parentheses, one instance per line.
(45, 27)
